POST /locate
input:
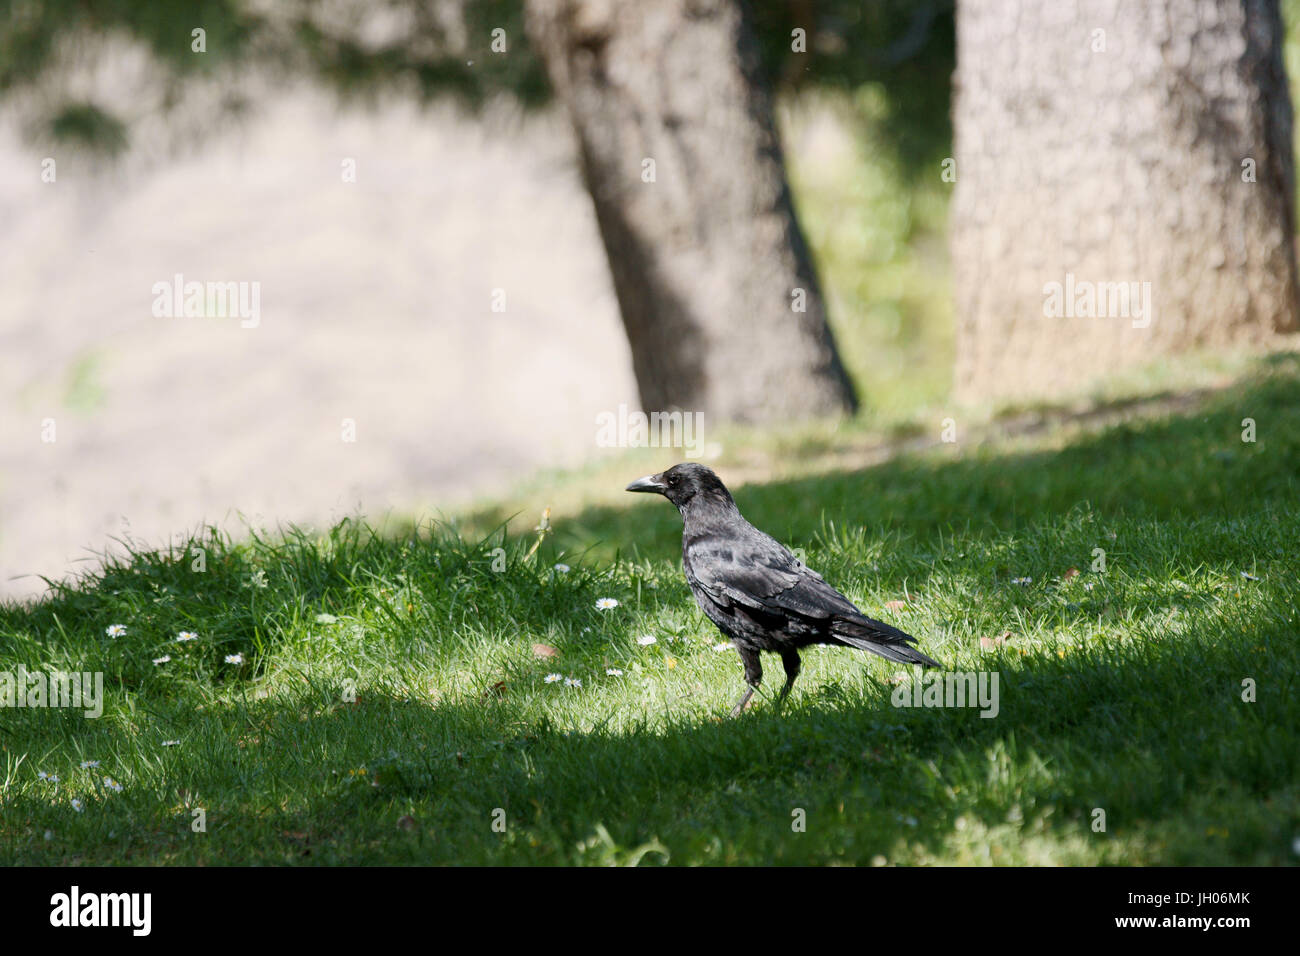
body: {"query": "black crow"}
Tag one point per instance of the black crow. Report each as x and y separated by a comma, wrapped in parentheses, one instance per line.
(757, 592)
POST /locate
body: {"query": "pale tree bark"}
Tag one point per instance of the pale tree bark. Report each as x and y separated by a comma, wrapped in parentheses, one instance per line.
(1117, 141)
(714, 281)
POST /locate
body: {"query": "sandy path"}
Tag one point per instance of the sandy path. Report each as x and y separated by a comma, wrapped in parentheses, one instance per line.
(375, 306)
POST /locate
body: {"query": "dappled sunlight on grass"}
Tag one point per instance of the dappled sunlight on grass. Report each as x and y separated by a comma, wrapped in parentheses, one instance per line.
(392, 699)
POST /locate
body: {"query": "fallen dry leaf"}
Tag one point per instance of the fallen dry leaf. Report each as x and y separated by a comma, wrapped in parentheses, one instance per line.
(988, 643)
(895, 605)
(544, 650)
(1072, 573)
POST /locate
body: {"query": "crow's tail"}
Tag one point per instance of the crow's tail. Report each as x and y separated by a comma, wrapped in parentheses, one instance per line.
(879, 638)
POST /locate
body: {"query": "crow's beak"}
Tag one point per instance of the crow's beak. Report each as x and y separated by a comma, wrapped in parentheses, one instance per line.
(648, 483)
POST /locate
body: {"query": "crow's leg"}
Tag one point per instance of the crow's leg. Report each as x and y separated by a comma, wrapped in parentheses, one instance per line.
(753, 677)
(742, 702)
(791, 661)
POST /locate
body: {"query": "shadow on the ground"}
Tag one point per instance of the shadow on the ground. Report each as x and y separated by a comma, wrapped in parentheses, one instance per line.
(1155, 736)
(1153, 732)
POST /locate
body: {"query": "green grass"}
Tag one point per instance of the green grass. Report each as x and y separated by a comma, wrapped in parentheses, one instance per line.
(877, 232)
(1119, 691)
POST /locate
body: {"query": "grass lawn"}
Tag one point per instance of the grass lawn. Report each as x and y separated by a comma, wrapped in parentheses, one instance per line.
(1120, 691)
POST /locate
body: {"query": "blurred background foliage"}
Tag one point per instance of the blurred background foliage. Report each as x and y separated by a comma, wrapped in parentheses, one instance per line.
(867, 123)
(877, 229)
(441, 48)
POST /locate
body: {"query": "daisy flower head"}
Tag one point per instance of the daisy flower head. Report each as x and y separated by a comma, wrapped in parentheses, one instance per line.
(1022, 581)
(112, 785)
(554, 678)
(77, 805)
(184, 636)
(87, 764)
(42, 775)
(613, 672)
(573, 682)
(606, 604)
(162, 660)
(562, 568)
(171, 743)
(234, 658)
(645, 640)
(115, 630)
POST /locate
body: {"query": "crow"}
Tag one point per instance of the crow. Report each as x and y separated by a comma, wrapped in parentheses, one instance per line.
(757, 592)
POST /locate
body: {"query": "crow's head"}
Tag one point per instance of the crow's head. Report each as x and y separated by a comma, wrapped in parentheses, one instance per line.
(684, 483)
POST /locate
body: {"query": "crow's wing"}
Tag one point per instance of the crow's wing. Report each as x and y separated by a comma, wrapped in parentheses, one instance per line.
(753, 570)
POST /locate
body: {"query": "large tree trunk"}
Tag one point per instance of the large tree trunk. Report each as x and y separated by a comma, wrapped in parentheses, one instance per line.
(1115, 141)
(714, 281)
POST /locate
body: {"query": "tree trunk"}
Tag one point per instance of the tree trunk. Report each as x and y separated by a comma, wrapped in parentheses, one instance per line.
(680, 154)
(1108, 143)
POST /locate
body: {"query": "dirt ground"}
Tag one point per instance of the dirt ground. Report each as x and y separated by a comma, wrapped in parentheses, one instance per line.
(376, 306)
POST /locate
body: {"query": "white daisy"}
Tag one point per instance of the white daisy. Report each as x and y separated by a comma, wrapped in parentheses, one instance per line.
(42, 775)
(645, 640)
(613, 672)
(234, 658)
(573, 682)
(554, 678)
(87, 764)
(76, 805)
(562, 568)
(724, 646)
(162, 660)
(184, 636)
(115, 630)
(1022, 581)
(171, 743)
(605, 604)
(112, 785)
